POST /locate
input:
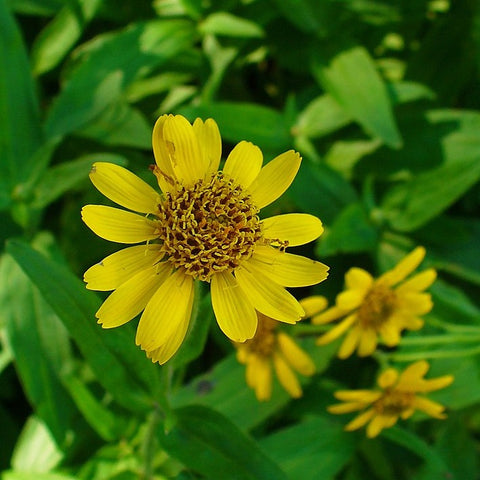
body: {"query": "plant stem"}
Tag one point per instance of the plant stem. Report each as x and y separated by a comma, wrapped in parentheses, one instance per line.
(413, 356)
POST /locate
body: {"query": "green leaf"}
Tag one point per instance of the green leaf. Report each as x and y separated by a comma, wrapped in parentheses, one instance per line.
(313, 449)
(210, 444)
(224, 23)
(110, 64)
(118, 365)
(20, 129)
(353, 81)
(61, 34)
(12, 475)
(246, 121)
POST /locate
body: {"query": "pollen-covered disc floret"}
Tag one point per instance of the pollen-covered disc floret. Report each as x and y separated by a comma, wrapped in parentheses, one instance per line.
(209, 227)
(378, 305)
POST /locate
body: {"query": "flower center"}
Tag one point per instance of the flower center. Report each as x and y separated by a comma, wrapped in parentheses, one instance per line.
(377, 306)
(394, 402)
(263, 343)
(209, 227)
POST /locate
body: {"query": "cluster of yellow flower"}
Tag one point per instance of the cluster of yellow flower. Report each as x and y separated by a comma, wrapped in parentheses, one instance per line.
(204, 226)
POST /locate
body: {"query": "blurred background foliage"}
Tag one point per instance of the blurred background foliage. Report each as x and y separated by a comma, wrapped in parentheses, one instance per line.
(381, 98)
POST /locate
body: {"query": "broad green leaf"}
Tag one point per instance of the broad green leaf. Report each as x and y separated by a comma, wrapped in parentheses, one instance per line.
(20, 129)
(13, 475)
(118, 365)
(162, 82)
(27, 320)
(352, 231)
(261, 125)
(61, 34)
(313, 449)
(36, 449)
(224, 23)
(353, 81)
(110, 64)
(210, 444)
(321, 117)
(65, 176)
(120, 124)
(404, 92)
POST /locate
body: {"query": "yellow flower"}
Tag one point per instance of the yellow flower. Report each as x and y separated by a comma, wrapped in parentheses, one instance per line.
(203, 225)
(384, 306)
(397, 399)
(270, 347)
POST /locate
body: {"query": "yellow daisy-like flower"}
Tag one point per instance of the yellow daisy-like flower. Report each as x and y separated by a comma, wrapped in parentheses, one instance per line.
(270, 347)
(398, 398)
(203, 225)
(384, 306)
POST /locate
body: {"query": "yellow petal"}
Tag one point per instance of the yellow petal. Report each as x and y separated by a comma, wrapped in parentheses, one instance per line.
(410, 322)
(350, 299)
(378, 423)
(117, 268)
(348, 407)
(286, 377)
(118, 225)
(368, 342)
(263, 378)
(167, 350)
(123, 187)
(243, 164)
(358, 279)
(388, 378)
(415, 303)
(128, 300)
(419, 282)
(337, 331)
(166, 176)
(405, 267)
(210, 142)
(235, 314)
(360, 420)
(287, 269)
(186, 157)
(268, 297)
(430, 407)
(274, 178)
(414, 372)
(333, 313)
(294, 228)
(294, 355)
(165, 311)
(423, 386)
(350, 343)
(313, 305)
(390, 332)
(359, 396)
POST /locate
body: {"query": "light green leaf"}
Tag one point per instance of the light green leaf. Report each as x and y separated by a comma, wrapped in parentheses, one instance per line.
(352, 79)
(224, 23)
(210, 444)
(404, 92)
(118, 365)
(61, 34)
(13, 475)
(20, 129)
(123, 57)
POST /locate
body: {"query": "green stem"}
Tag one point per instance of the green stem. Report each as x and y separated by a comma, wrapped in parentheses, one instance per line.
(309, 330)
(440, 339)
(451, 327)
(149, 446)
(413, 356)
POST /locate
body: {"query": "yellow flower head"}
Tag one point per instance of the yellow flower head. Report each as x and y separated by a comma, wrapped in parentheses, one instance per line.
(398, 398)
(384, 306)
(203, 225)
(272, 347)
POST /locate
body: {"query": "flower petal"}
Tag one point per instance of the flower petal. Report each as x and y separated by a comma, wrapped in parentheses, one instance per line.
(165, 311)
(260, 373)
(118, 225)
(164, 172)
(430, 407)
(360, 420)
(286, 377)
(294, 228)
(210, 142)
(313, 305)
(405, 267)
(368, 342)
(419, 282)
(287, 269)
(337, 330)
(294, 355)
(390, 332)
(350, 299)
(415, 303)
(333, 313)
(346, 407)
(186, 156)
(128, 300)
(378, 423)
(360, 396)
(244, 163)
(124, 187)
(388, 378)
(118, 267)
(414, 372)
(274, 178)
(350, 343)
(235, 314)
(268, 297)
(358, 279)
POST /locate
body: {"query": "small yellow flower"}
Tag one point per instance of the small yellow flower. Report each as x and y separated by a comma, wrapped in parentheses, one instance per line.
(204, 226)
(397, 399)
(384, 306)
(272, 347)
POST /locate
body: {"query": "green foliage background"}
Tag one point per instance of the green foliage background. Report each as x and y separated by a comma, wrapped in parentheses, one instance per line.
(381, 98)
